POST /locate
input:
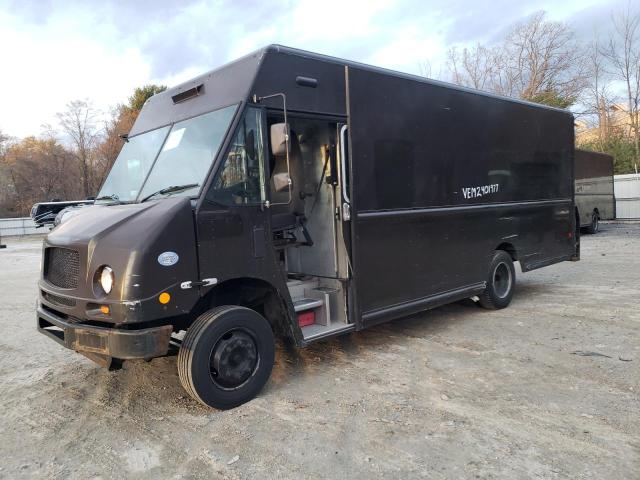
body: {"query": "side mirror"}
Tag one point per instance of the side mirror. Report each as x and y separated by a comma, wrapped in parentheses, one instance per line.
(279, 139)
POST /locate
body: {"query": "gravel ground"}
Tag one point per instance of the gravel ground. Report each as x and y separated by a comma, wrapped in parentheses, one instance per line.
(457, 392)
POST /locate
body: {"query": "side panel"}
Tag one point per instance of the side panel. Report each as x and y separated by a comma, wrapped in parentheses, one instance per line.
(278, 74)
(442, 177)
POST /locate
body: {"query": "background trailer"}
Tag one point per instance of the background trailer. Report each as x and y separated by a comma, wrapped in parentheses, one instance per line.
(595, 198)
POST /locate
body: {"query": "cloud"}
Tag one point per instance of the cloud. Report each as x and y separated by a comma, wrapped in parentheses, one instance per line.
(59, 51)
(51, 64)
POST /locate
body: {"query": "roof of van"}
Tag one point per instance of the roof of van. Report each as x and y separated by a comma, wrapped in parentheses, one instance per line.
(234, 82)
(363, 66)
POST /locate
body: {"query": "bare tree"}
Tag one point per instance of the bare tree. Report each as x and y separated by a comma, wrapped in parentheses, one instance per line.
(538, 60)
(474, 68)
(597, 96)
(545, 59)
(79, 122)
(623, 56)
(425, 68)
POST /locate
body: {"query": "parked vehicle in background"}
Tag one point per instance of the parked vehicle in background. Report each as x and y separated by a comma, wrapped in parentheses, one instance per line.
(294, 195)
(44, 213)
(594, 195)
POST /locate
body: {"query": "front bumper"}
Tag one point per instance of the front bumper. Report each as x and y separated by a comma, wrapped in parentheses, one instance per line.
(72, 304)
(100, 342)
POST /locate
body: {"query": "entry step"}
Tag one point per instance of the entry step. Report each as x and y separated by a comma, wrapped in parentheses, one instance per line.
(307, 304)
(315, 332)
(298, 288)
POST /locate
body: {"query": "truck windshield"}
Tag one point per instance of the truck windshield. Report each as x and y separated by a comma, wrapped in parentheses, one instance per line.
(174, 155)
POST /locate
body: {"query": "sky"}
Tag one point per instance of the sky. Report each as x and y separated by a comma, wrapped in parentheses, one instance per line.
(53, 52)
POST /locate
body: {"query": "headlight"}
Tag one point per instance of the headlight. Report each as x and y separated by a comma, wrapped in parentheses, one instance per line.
(106, 279)
(65, 214)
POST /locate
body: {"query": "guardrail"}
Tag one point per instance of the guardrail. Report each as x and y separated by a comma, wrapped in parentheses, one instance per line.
(627, 192)
(19, 226)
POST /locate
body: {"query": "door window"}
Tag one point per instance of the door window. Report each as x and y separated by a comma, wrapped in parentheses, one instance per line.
(240, 178)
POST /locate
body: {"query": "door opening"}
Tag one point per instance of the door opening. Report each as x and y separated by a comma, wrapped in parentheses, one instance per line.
(309, 230)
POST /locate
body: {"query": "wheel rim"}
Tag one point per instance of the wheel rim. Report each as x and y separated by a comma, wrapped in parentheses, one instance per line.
(234, 359)
(502, 280)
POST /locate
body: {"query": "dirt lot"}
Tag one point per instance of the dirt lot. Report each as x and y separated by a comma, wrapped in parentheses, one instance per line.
(454, 393)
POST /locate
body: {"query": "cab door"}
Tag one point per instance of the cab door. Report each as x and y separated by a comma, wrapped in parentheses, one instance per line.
(232, 223)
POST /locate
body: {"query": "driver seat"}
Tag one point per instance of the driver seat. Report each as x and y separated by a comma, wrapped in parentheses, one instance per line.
(286, 216)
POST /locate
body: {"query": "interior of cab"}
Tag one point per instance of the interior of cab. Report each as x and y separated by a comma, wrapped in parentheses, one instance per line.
(305, 195)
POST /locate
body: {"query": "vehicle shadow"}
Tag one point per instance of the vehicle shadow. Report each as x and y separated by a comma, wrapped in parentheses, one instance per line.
(294, 364)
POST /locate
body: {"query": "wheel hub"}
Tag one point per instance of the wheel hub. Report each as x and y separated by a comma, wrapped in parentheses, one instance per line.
(502, 280)
(234, 359)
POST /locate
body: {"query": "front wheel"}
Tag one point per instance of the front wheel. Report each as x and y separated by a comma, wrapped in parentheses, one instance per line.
(226, 356)
(500, 283)
(594, 226)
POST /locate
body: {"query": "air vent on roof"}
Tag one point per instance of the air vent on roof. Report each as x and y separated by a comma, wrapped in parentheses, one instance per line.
(187, 94)
(307, 82)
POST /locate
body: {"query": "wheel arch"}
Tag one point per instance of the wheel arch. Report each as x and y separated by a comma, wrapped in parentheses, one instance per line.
(256, 294)
(510, 249)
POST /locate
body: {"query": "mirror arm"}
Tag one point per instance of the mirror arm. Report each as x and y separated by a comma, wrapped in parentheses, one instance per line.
(257, 99)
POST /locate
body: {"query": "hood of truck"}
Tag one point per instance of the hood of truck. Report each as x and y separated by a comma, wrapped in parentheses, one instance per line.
(131, 239)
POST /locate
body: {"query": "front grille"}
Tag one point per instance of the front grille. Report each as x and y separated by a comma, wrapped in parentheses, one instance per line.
(62, 267)
(58, 300)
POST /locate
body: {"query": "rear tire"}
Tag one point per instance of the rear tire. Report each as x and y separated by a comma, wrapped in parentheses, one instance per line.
(501, 282)
(594, 226)
(226, 356)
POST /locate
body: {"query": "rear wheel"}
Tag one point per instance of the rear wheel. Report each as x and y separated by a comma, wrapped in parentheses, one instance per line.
(226, 356)
(500, 283)
(594, 226)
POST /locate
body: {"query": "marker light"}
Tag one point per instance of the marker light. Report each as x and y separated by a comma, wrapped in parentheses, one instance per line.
(105, 309)
(164, 298)
(106, 279)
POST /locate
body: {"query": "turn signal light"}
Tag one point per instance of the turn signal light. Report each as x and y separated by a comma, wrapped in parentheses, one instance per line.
(105, 309)
(164, 298)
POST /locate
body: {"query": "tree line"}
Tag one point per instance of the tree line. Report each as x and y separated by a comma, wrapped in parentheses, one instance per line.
(43, 168)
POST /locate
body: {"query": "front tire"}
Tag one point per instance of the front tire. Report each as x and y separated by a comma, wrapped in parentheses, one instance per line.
(594, 226)
(226, 356)
(500, 283)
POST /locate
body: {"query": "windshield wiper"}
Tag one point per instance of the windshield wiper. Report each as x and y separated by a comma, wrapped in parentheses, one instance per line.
(113, 196)
(171, 189)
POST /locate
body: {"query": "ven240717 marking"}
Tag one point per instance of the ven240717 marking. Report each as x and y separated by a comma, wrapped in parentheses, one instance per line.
(475, 192)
